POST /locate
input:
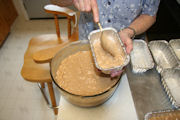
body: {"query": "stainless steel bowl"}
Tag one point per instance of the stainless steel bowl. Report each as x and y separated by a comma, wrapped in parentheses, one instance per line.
(83, 101)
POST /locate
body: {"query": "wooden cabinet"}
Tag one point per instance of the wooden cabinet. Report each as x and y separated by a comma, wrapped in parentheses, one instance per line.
(4, 29)
(7, 16)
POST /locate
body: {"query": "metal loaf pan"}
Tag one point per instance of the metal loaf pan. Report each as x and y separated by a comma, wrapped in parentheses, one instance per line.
(175, 44)
(96, 34)
(171, 82)
(163, 55)
(141, 59)
(163, 115)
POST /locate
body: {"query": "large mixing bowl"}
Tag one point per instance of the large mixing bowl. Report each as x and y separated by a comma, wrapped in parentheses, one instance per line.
(83, 101)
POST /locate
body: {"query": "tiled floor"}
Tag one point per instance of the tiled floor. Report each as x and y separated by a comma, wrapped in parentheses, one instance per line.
(20, 99)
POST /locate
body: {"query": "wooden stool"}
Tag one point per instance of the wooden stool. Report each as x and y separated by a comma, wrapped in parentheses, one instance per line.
(39, 71)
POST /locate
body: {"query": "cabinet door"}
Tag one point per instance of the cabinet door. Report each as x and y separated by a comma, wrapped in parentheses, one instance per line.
(7, 16)
(4, 29)
(9, 12)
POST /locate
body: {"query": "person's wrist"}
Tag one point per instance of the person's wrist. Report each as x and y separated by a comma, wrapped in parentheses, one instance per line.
(130, 32)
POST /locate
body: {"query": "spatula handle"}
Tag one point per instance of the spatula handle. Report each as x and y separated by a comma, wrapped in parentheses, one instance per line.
(100, 27)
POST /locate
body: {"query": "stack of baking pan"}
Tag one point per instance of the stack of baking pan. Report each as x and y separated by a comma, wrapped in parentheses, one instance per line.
(163, 55)
(171, 82)
(167, 64)
(141, 59)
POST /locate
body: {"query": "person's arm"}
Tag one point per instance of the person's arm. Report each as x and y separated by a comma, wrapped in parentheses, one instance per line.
(140, 25)
(144, 21)
(62, 3)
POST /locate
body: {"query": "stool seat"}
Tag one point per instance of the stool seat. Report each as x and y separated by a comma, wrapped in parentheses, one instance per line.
(36, 72)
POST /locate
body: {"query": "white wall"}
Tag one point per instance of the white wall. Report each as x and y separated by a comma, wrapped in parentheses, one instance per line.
(20, 9)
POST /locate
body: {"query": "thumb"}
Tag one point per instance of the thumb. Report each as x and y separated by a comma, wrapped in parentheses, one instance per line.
(95, 10)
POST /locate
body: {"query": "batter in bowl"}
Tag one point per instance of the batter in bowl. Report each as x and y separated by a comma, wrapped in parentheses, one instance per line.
(78, 75)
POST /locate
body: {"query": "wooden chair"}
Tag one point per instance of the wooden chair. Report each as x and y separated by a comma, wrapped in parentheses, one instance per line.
(39, 71)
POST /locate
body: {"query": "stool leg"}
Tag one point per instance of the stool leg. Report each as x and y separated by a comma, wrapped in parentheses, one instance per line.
(57, 27)
(52, 97)
(42, 85)
(69, 28)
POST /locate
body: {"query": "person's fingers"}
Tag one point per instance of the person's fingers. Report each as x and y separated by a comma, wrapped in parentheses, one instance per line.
(87, 5)
(116, 73)
(95, 10)
(76, 4)
(81, 5)
(123, 41)
(129, 48)
(129, 45)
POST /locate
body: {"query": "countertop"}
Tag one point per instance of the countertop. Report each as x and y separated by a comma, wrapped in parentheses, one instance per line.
(147, 91)
(119, 107)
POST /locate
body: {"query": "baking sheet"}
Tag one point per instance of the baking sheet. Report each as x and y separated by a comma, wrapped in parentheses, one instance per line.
(171, 82)
(163, 55)
(141, 59)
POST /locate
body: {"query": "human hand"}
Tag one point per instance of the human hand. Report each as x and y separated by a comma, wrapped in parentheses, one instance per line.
(126, 35)
(115, 73)
(87, 6)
